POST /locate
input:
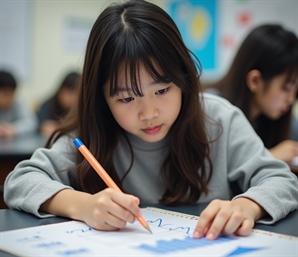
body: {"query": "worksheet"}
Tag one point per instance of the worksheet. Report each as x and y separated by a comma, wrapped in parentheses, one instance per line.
(172, 236)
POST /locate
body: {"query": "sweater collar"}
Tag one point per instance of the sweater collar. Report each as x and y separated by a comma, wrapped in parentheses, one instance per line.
(143, 145)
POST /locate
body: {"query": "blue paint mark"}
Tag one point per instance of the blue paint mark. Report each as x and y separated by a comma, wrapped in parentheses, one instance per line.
(243, 250)
(48, 245)
(74, 252)
(159, 223)
(79, 230)
(181, 228)
(28, 239)
(174, 245)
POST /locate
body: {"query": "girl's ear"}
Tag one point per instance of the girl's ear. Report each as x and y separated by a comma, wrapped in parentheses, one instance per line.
(254, 80)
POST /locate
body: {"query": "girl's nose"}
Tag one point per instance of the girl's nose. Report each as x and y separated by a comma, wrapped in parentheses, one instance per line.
(148, 111)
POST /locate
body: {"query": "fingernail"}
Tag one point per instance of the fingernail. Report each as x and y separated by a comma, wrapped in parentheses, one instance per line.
(210, 236)
(140, 213)
(196, 234)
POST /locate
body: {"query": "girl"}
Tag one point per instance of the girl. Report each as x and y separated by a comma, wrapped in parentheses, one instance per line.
(141, 115)
(263, 82)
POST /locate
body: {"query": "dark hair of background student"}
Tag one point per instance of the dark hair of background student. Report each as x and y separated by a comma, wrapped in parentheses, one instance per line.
(140, 41)
(55, 109)
(272, 50)
(7, 80)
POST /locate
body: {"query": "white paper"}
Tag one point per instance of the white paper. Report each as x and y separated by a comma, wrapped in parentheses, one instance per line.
(172, 236)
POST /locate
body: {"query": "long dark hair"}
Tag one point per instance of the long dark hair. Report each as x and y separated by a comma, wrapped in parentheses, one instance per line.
(272, 50)
(130, 34)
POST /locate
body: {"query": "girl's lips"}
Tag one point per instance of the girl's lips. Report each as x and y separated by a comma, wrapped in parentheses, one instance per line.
(152, 130)
(283, 112)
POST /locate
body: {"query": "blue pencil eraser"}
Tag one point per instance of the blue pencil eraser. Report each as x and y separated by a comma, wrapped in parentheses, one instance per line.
(77, 142)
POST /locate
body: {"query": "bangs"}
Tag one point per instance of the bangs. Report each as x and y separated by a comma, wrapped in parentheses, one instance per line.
(129, 64)
(129, 53)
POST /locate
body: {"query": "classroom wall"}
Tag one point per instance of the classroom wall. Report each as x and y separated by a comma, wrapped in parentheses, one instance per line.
(46, 38)
(50, 57)
(52, 50)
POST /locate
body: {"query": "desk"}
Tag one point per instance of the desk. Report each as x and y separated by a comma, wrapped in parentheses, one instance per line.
(12, 219)
(14, 150)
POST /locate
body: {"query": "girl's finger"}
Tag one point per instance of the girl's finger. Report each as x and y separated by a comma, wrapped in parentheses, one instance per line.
(206, 219)
(105, 226)
(218, 224)
(115, 222)
(245, 228)
(125, 207)
(233, 224)
(125, 201)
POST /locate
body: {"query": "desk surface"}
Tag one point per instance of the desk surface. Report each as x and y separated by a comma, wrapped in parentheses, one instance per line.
(22, 146)
(12, 219)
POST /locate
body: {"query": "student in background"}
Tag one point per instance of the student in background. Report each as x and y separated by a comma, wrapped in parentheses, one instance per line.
(141, 114)
(15, 117)
(263, 82)
(55, 108)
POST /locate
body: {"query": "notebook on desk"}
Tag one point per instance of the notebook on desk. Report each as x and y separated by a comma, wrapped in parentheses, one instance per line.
(172, 236)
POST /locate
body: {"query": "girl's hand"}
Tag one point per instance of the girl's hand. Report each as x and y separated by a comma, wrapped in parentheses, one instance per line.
(285, 151)
(228, 217)
(110, 210)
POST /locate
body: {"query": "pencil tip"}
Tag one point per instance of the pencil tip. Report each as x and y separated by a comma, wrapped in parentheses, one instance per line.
(148, 228)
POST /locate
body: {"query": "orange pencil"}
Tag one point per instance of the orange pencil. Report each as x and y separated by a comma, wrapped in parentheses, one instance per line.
(103, 174)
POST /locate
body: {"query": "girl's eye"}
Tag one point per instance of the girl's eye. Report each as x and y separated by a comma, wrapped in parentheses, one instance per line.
(162, 91)
(126, 100)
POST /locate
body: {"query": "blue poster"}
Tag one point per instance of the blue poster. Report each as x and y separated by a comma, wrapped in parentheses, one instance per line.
(196, 21)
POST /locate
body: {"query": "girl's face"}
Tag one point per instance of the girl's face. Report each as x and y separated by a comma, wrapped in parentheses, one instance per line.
(275, 99)
(150, 116)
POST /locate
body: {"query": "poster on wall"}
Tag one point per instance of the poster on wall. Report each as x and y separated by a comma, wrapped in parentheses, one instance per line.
(76, 32)
(196, 21)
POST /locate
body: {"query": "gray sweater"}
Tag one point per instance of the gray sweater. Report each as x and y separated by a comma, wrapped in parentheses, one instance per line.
(238, 155)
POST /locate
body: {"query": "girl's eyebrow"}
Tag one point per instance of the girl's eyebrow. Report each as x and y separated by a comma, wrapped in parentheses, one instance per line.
(121, 89)
(127, 89)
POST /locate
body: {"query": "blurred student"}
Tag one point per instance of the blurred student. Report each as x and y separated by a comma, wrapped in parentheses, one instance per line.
(15, 117)
(262, 82)
(56, 107)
